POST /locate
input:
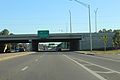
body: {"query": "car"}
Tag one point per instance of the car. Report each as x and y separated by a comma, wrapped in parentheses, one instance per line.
(58, 49)
(21, 49)
(17, 50)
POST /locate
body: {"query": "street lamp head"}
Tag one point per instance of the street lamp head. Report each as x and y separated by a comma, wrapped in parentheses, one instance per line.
(96, 10)
(88, 6)
(84, 4)
(72, 0)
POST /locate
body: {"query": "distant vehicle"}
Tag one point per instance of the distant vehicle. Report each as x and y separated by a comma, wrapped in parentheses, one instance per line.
(8, 51)
(21, 49)
(58, 49)
(17, 50)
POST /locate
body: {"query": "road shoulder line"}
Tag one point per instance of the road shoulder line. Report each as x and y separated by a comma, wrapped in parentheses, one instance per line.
(99, 66)
(102, 57)
(90, 71)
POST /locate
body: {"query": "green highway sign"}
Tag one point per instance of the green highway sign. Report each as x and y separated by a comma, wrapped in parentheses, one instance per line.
(43, 34)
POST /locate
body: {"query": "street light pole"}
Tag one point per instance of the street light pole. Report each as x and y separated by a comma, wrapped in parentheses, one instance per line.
(90, 29)
(96, 20)
(70, 22)
(88, 6)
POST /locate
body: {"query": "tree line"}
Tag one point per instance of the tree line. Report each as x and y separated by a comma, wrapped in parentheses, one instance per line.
(5, 47)
(5, 32)
(108, 31)
(8, 47)
(115, 39)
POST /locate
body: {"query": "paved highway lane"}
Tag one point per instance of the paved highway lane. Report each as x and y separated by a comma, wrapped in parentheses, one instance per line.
(106, 67)
(45, 66)
(10, 67)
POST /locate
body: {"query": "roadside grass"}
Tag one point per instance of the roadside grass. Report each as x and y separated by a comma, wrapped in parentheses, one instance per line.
(104, 52)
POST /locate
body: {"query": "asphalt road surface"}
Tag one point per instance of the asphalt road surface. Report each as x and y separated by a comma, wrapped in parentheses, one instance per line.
(60, 66)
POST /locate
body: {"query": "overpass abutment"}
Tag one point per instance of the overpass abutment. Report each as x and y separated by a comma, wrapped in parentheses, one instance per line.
(74, 45)
(35, 46)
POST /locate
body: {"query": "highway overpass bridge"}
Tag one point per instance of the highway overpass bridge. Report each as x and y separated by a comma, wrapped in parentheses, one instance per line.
(72, 38)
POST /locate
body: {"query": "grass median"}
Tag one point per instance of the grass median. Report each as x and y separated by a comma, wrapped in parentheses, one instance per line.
(6, 56)
(102, 52)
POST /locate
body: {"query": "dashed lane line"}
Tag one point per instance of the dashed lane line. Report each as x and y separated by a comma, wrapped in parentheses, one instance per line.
(25, 68)
(36, 60)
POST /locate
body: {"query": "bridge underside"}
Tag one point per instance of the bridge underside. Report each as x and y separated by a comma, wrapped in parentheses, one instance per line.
(73, 39)
(74, 43)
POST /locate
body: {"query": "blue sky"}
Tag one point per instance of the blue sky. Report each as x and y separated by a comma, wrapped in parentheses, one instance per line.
(28, 16)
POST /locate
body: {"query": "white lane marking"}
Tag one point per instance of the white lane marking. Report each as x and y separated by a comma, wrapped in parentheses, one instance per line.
(33, 52)
(99, 66)
(104, 58)
(104, 72)
(25, 68)
(90, 71)
(41, 55)
(36, 60)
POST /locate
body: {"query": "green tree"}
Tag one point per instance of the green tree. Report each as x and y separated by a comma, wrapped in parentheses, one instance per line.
(3, 46)
(116, 38)
(105, 31)
(0, 33)
(110, 30)
(115, 31)
(100, 31)
(104, 38)
(5, 32)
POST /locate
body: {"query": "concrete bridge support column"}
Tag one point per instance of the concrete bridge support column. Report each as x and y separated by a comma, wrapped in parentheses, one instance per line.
(74, 45)
(34, 46)
(2, 47)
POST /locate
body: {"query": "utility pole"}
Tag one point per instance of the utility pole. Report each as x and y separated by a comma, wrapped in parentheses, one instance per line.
(96, 20)
(90, 28)
(70, 22)
(66, 28)
(87, 6)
